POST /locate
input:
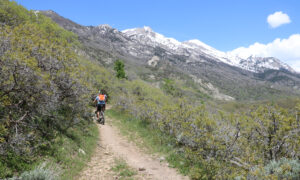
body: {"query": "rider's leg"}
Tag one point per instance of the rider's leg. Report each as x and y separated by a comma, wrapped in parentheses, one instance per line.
(102, 108)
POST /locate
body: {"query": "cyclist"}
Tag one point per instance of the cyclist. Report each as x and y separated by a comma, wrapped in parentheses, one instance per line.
(100, 100)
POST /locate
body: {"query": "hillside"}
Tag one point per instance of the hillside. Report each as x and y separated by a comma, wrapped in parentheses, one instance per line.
(43, 96)
(192, 64)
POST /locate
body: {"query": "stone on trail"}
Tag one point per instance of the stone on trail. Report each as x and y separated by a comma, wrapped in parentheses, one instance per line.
(142, 169)
(162, 159)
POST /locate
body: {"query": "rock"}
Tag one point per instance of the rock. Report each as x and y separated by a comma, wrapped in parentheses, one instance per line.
(142, 169)
(81, 151)
(162, 159)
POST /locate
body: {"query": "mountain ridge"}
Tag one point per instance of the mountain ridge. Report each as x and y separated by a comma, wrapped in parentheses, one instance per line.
(154, 61)
(252, 63)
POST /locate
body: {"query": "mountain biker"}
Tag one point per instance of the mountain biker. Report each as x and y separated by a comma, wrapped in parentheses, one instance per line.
(101, 101)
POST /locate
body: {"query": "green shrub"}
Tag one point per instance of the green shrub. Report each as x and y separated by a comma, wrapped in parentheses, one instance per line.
(170, 87)
(40, 173)
(44, 87)
(281, 169)
(223, 145)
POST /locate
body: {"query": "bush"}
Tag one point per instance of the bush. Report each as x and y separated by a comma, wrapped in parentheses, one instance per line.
(223, 145)
(43, 86)
(40, 173)
(281, 169)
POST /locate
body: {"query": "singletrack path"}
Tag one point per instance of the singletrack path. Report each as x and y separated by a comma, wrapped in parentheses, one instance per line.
(112, 145)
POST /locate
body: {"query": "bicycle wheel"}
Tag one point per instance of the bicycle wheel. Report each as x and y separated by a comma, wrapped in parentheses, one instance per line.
(99, 119)
(102, 119)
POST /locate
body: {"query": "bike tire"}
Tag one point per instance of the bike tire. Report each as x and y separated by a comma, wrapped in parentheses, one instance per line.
(102, 118)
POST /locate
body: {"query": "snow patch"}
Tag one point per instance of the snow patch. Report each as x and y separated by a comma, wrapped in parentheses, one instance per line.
(153, 61)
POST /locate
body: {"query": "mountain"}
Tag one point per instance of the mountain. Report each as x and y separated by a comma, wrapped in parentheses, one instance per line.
(196, 48)
(192, 64)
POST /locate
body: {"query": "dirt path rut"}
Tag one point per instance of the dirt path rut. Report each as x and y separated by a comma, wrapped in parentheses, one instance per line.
(112, 145)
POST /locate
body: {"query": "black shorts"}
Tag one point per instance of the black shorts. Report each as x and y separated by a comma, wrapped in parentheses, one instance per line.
(101, 107)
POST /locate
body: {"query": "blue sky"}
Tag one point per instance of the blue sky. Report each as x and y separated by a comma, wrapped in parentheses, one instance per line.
(222, 24)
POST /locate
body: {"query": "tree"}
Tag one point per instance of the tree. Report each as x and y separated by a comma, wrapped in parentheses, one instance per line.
(119, 68)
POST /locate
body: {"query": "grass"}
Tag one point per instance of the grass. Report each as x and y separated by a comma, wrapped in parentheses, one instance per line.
(150, 140)
(122, 169)
(72, 150)
(66, 155)
(77, 151)
(287, 102)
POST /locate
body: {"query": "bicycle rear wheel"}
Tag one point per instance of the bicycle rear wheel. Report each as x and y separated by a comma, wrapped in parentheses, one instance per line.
(102, 119)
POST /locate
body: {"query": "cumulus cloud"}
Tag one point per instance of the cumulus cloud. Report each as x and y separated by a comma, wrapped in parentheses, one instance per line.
(287, 50)
(277, 19)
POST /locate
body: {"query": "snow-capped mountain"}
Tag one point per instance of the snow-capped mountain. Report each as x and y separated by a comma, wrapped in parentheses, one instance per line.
(148, 37)
(154, 57)
(195, 48)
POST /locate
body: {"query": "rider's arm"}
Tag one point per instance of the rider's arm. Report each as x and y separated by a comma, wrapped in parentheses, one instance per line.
(95, 100)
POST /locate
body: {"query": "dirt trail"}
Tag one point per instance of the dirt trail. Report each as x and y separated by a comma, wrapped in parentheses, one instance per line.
(112, 145)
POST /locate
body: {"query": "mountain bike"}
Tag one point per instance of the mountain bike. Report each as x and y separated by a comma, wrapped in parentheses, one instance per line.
(101, 119)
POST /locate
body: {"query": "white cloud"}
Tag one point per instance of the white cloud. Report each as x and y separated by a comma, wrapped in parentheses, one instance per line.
(287, 50)
(277, 19)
